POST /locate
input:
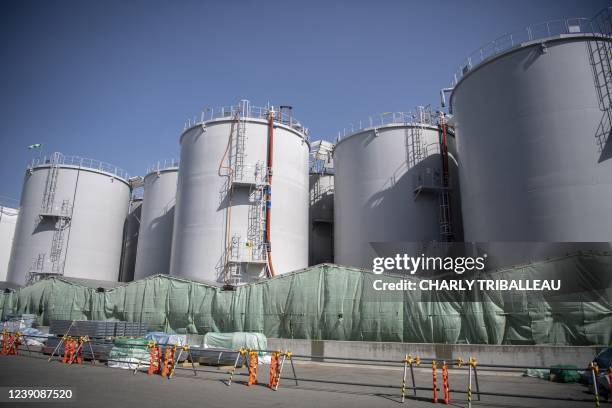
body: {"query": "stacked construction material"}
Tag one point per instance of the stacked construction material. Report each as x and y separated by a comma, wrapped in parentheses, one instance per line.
(99, 332)
(100, 348)
(97, 328)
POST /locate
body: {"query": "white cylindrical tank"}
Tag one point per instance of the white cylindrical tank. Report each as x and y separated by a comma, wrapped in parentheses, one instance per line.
(8, 221)
(157, 220)
(533, 134)
(389, 188)
(71, 220)
(220, 216)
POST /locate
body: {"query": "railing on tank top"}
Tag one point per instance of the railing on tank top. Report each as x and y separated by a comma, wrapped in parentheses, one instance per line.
(422, 115)
(59, 159)
(599, 25)
(245, 110)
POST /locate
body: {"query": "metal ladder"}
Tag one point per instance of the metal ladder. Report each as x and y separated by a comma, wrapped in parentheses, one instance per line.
(57, 245)
(50, 185)
(257, 214)
(240, 145)
(446, 231)
(234, 265)
(414, 143)
(600, 56)
(415, 146)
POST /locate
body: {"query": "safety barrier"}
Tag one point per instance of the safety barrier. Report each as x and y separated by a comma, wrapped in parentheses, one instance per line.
(277, 362)
(167, 366)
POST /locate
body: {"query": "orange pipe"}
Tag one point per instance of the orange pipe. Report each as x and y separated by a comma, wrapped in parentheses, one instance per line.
(269, 191)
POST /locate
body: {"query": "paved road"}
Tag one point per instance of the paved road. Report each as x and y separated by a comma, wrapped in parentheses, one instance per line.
(101, 386)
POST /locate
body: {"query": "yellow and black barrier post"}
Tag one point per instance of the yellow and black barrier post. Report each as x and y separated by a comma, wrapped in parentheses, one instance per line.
(242, 352)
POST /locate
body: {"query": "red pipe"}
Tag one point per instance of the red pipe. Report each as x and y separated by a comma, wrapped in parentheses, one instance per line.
(444, 152)
(269, 190)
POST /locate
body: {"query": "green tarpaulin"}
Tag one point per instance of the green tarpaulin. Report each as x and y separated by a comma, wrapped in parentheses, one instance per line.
(338, 303)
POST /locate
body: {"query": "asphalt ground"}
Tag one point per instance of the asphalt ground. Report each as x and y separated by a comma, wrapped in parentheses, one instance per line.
(319, 385)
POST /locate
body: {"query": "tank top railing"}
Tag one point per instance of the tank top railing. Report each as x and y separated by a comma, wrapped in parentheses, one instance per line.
(58, 159)
(421, 115)
(598, 25)
(161, 165)
(245, 110)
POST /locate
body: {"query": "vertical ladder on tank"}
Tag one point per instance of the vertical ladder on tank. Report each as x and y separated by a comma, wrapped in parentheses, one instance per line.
(415, 147)
(240, 145)
(257, 215)
(234, 265)
(429, 181)
(414, 143)
(59, 216)
(446, 231)
(50, 185)
(444, 198)
(600, 55)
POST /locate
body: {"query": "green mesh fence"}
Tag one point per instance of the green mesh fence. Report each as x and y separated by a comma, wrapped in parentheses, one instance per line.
(337, 303)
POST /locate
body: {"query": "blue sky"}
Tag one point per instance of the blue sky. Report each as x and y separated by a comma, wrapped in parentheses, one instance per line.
(115, 80)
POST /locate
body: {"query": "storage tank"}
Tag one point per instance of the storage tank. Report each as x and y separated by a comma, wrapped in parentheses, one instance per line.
(321, 213)
(532, 119)
(130, 239)
(223, 205)
(71, 220)
(390, 187)
(155, 239)
(8, 221)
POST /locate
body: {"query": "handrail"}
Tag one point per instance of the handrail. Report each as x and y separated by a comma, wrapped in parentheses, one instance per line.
(422, 115)
(59, 159)
(599, 25)
(245, 110)
(164, 164)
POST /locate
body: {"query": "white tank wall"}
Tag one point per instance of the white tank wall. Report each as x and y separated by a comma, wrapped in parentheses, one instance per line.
(8, 222)
(157, 220)
(93, 241)
(199, 223)
(374, 199)
(530, 166)
(321, 247)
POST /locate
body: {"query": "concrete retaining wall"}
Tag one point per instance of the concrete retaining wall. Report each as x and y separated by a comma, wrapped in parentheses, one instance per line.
(541, 355)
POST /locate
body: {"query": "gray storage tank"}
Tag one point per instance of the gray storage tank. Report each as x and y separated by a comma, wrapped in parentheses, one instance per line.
(157, 220)
(223, 208)
(389, 186)
(532, 118)
(71, 220)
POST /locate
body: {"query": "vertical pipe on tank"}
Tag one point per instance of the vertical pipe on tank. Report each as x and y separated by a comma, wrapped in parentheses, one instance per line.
(270, 161)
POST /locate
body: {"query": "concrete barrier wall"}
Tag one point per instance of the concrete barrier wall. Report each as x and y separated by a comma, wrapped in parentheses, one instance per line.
(540, 355)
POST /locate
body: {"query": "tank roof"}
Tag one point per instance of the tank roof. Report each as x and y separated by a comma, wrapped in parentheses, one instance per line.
(62, 160)
(245, 110)
(600, 25)
(163, 165)
(422, 116)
